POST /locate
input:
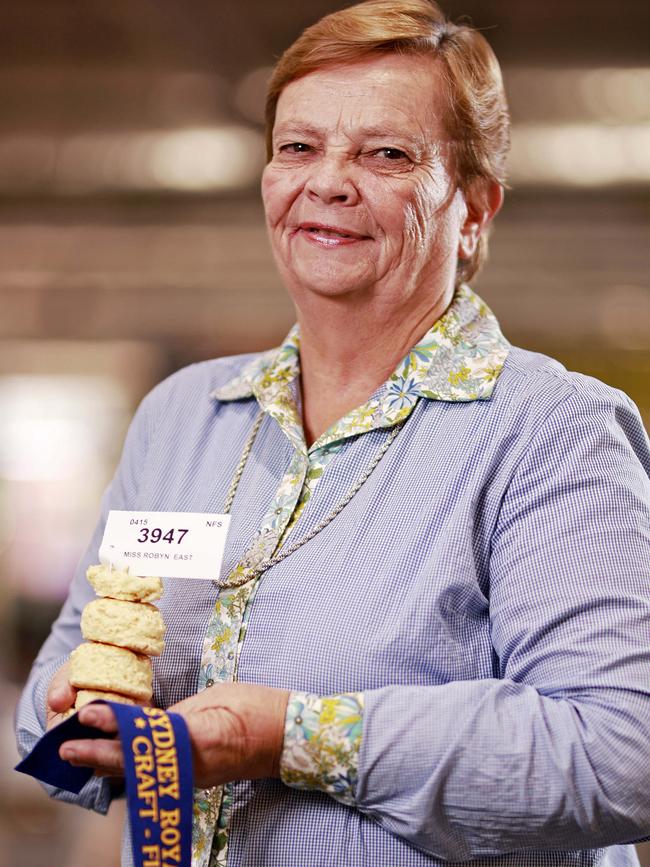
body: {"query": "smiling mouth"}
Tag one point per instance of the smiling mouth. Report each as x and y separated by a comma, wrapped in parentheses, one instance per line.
(331, 233)
(328, 233)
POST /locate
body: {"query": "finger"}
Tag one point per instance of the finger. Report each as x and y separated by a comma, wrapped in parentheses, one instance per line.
(99, 716)
(104, 756)
(61, 695)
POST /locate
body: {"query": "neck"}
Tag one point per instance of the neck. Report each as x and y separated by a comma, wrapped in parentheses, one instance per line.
(348, 350)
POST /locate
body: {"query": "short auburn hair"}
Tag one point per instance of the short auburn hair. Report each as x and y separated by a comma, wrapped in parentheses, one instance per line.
(477, 118)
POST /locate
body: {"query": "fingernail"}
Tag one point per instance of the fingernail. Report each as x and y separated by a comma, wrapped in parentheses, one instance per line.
(68, 755)
(89, 718)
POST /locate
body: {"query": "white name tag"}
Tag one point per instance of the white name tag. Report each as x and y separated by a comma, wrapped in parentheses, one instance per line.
(167, 544)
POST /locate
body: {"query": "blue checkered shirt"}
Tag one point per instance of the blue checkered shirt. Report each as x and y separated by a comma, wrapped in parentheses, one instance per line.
(488, 589)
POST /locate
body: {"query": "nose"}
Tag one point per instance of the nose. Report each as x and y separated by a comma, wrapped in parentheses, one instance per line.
(331, 181)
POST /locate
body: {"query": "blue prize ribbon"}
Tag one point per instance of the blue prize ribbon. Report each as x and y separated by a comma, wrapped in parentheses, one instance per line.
(158, 773)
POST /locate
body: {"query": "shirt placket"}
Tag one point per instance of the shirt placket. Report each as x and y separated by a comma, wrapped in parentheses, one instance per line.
(221, 647)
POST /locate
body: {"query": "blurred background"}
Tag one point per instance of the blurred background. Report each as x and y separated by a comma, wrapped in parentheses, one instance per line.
(132, 243)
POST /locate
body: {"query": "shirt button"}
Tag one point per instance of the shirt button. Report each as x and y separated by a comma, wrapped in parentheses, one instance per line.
(298, 720)
(209, 682)
(231, 655)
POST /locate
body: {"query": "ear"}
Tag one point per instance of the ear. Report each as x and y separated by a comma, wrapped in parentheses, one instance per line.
(483, 200)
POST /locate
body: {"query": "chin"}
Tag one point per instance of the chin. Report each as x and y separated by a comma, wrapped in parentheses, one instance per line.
(329, 283)
(332, 289)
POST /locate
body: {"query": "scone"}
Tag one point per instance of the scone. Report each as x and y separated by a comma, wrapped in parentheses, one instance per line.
(136, 625)
(119, 584)
(85, 696)
(111, 669)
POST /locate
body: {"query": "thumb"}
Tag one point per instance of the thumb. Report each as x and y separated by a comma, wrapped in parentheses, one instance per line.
(61, 695)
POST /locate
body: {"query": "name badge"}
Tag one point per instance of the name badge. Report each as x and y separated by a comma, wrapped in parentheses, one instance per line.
(169, 544)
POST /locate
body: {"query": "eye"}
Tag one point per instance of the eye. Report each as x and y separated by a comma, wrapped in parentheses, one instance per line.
(387, 159)
(391, 154)
(295, 147)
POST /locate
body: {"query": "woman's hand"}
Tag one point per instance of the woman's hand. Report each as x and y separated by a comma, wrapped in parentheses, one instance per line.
(60, 697)
(236, 731)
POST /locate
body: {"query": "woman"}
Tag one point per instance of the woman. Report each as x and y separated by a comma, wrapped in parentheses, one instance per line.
(434, 607)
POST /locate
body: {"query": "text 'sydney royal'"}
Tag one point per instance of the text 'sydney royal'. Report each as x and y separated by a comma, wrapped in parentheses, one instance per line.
(156, 769)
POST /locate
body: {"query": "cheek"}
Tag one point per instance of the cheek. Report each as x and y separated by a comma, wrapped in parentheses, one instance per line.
(434, 216)
(276, 195)
(420, 223)
(388, 207)
(410, 212)
(422, 218)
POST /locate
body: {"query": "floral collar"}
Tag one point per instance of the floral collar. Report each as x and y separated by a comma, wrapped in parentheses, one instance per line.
(458, 359)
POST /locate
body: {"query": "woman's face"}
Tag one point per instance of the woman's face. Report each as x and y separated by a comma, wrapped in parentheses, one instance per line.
(360, 194)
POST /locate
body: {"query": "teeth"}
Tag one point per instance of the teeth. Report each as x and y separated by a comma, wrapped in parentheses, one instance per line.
(330, 233)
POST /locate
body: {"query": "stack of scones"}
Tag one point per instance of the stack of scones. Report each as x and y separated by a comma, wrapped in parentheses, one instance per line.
(123, 629)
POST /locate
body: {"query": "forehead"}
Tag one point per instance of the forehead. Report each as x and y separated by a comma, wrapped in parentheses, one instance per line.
(403, 91)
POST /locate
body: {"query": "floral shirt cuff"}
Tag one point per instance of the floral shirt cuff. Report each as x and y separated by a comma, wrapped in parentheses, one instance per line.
(322, 738)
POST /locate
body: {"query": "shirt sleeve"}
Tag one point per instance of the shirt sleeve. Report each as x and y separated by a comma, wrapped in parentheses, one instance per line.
(30, 718)
(322, 737)
(552, 751)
